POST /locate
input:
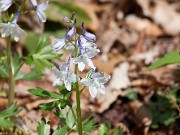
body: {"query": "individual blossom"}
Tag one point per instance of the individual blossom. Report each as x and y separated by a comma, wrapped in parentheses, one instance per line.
(58, 44)
(11, 28)
(95, 83)
(69, 20)
(85, 43)
(4, 5)
(63, 75)
(40, 9)
(89, 36)
(85, 59)
(71, 32)
(87, 51)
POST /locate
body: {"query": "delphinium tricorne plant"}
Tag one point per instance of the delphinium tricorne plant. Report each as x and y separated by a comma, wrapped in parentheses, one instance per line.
(82, 47)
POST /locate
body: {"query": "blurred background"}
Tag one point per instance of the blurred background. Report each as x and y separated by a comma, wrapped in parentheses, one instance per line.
(131, 34)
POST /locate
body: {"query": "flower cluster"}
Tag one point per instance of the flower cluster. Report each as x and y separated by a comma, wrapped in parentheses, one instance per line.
(11, 28)
(83, 49)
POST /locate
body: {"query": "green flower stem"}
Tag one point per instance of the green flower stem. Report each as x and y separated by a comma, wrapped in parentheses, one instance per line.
(10, 71)
(78, 102)
(78, 93)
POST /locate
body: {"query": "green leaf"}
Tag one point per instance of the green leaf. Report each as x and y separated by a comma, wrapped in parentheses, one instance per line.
(48, 106)
(6, 123)
(63, 103)
(60, 131)
(40, 92)
(62, 115)
(11, 111)
(89, 124)
(170, 58)
(32, 75)
(57, 10)
(104, 129)
(3, 70)
(40, 58)
(70, 119)
(43, 127)
(17, 62)
(118, 131)
(65, 93)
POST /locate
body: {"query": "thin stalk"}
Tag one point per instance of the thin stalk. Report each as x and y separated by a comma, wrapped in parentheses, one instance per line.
(22, 5)
(78, 93)
(10, 71)
(78, 102)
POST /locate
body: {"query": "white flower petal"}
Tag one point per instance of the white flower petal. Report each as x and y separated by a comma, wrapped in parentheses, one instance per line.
(56, 82)
(86, 81)
(59, 44)
(63, 66)
(101, 89)
(103, 80)
(93, 91)
(81, 66)
(90, 63)
(67, 85)
(43, 6)
(58, 73)
(5, 4)
(73, 77)
(41, 15)
(13, 29)
(34, 3)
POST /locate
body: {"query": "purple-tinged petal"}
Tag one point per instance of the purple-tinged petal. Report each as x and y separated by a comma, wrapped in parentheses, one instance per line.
(63, 66)
(97, 75)
(71, 32)
(80, 46)
(69, 20)
(43, 6)
(68, 64)
(66, 19)
(58, 44)
(89, 36)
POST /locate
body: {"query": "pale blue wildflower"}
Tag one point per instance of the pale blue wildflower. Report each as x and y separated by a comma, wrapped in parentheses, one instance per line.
(89, 36)
(58, 44)
(96, 83)
(69, 20)
(11, 28)
(71, 32)
(85, 59)
(63, 75)
(87, 51)
(40, 9)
